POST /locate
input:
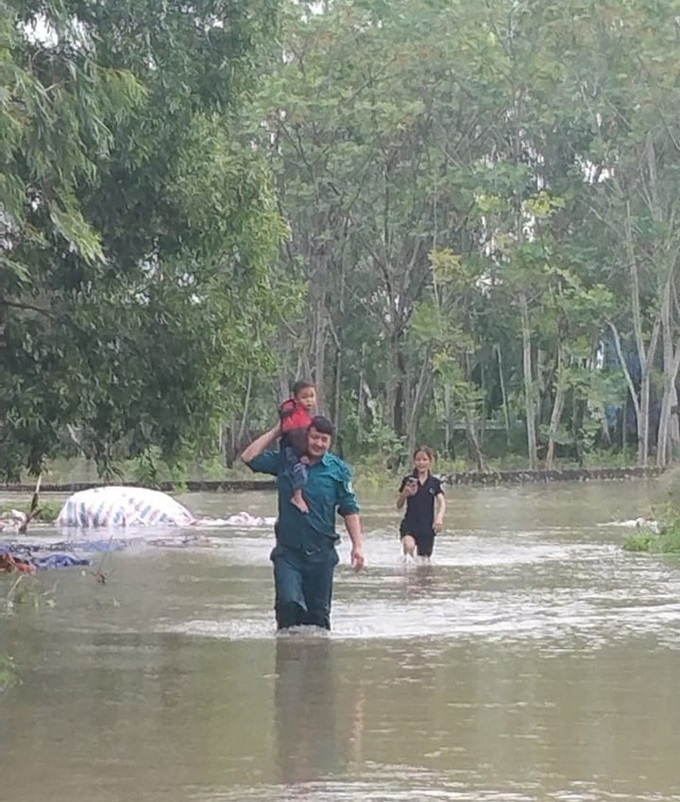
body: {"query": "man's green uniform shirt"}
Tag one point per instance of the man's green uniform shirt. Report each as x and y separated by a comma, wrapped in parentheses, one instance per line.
(328, 491)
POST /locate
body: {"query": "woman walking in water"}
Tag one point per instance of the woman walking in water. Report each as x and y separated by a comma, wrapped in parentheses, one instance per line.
(423, 495)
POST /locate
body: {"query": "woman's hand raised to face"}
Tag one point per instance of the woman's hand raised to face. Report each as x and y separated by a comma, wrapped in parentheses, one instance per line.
(411, 487)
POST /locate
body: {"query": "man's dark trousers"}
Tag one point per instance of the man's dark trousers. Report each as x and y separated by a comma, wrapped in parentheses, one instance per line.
(303, 581)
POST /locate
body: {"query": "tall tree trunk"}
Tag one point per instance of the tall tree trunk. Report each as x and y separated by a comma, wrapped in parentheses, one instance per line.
(401, 397)
(664, 452)
(319, 328)
(504, 395)
(629, 382)
(645, 355)
(645, 396)
(337, 373)
(474, 448)
(447, 419)
(246, 410)
(421, 391)
(667, 435)
(529, 400)
(337, 388)
(393, 389)
(558, 406)
(360, 395)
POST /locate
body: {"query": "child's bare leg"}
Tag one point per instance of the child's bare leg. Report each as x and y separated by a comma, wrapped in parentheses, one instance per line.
(408, 545)
(299, 501)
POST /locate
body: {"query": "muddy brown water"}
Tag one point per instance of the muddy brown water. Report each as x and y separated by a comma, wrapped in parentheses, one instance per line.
(534, 660)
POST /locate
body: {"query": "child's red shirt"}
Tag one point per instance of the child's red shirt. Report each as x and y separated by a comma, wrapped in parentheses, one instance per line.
(295, 421)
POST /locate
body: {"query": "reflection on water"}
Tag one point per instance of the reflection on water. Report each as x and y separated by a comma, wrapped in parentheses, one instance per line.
(305, 703)
(534, 660)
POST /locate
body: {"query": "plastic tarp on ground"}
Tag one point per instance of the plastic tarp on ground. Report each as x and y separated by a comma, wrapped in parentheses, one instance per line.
(28, 557)
(122, 507)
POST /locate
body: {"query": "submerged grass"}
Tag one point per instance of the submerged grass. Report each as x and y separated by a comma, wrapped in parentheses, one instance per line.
(663, 539)
(24, 589)
(665, 542)
(8, 672)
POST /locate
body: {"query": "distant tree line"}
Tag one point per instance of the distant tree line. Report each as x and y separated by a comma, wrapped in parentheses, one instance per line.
(458, 218)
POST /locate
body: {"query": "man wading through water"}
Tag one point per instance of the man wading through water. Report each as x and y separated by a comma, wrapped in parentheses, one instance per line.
(305, 554)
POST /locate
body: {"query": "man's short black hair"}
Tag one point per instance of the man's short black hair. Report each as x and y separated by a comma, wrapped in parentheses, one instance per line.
(323, 424)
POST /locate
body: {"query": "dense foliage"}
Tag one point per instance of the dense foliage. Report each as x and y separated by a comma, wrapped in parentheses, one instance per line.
(136, 225)
(482, 201)
(457, 216)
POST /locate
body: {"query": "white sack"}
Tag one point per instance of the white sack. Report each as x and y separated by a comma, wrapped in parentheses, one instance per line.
(122, 506)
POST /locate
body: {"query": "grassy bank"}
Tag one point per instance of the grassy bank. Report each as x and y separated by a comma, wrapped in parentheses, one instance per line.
(667, 541)
(48, 512)
(663, 543)
(664, 536)
(370, 469)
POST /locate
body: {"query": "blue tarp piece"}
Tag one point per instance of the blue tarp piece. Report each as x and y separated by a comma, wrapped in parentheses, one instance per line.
(63, 554)
(59, 561)
(35, 555)
(27, 549)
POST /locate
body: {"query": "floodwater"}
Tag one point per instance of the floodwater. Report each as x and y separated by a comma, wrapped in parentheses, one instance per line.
(534, 660)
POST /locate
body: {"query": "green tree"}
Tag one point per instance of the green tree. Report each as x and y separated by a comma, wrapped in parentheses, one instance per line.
(138, 225)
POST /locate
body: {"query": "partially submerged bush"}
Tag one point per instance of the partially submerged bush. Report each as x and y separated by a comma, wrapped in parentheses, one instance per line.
(648, 541)
(48, 510)
(8, 672)
(25, 589)
(666, 540)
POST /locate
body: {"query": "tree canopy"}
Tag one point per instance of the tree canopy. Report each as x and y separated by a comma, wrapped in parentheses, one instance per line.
(137, 224)
(457, 217)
